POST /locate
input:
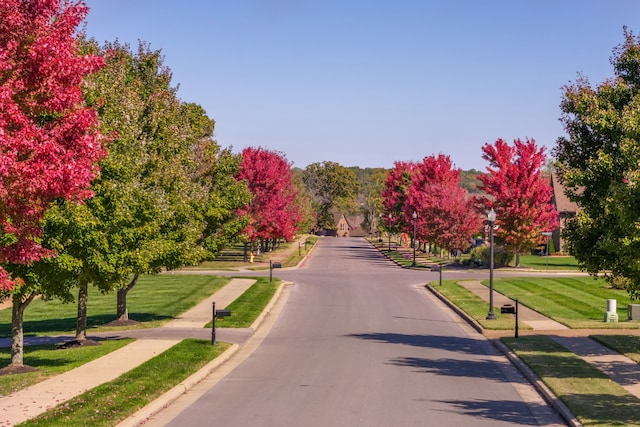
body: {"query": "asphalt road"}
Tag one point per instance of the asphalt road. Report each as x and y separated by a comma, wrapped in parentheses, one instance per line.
(359, 342)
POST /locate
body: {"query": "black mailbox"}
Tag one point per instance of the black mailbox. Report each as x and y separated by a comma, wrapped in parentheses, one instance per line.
(276, 265)
(223, 313)
(507, 308)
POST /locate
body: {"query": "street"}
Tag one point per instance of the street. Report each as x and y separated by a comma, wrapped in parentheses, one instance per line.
(359, 342)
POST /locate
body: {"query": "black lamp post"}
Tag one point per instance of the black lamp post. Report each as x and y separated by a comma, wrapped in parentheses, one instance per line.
(415, 217)
(389, 230)
(491, 216)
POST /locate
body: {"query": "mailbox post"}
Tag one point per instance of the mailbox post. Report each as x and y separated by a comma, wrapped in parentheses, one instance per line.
(273, 265)
(217, 314)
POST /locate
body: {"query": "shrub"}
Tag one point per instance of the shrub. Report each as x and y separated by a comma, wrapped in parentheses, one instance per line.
(482, 255)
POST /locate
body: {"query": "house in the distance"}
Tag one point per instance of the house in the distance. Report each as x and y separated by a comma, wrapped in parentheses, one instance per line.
(566, 210)
(349, 226)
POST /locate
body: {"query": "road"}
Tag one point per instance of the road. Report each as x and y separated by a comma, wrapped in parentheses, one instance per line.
(360, 342)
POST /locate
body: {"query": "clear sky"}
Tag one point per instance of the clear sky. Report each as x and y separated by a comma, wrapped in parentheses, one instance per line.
(367, 82)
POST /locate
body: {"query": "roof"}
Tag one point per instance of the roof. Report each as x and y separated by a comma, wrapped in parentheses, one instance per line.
(562, 202)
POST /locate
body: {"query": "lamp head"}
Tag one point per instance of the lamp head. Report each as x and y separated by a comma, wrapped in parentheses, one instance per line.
(415, 215)
(491, 215)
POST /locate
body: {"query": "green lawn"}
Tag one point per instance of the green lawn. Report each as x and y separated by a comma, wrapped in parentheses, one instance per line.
(248, 306)
(475, 307)
(578, 302)
(549, 262)
(51, 360)
(590, 395)
(153, 301)
(110, 403)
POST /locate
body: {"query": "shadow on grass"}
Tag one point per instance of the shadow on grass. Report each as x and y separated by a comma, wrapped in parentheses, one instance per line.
(69, 323)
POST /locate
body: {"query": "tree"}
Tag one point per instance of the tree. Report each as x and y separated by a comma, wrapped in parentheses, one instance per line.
(273, 212)
(371, 199)
(332, 187)
(598, 164)
(49, 139)
(445, 215)
(394, 195)
(521, 194)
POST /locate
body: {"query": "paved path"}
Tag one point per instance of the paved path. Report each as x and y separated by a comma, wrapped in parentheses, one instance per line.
(39, 398)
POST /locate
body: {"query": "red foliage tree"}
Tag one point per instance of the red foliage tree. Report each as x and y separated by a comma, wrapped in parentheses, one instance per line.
(445, 213)
(521, 196)
(394, 194)
(49, 142)
(273, 212)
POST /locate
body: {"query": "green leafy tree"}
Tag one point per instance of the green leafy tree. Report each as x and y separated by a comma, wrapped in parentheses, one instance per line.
(332, 187)
(598, 164)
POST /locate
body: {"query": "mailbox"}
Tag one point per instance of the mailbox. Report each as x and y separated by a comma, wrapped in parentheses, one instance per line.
(222, 313)
(276, 265)
(507, 308)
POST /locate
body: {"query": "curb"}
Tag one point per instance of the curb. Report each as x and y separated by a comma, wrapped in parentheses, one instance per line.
(173, 394)
(535, 381)
(470, 320)
(166, 399)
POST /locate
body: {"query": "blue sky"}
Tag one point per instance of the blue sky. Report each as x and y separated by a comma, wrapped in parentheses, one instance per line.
(366, 83)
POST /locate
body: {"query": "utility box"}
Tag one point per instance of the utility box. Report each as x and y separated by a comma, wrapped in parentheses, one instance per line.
(633, 312)
(611, 316)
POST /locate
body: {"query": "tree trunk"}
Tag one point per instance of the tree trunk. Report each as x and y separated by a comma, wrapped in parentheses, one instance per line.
(517, 259)
(121, 308)
(246, 252)
(81, 321)
(17, 327)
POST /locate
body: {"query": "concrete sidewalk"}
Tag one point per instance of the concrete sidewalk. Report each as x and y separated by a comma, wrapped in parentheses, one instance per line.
(619, 368)
(39, 398)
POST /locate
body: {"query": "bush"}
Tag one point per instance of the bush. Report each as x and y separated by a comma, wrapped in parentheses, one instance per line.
(481, 255)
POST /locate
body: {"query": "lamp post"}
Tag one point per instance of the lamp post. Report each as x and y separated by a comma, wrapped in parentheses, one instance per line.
(389, 230)
(415, 217)
(491, 216)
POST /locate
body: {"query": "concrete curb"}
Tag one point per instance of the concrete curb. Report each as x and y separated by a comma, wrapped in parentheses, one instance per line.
(470, 320)
(177, 391)
(173, 394)
(535, 380)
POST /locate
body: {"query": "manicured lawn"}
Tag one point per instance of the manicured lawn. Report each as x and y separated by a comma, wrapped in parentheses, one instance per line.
(629, 345)
(110, 403)
(50, 360)
(154, 300)
(548, 262)
(475, 307)
(590, 395)
(578, 302)
(248, 306)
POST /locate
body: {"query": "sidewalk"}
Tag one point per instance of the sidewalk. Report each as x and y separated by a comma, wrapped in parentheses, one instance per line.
(619, 368)
(39, 398)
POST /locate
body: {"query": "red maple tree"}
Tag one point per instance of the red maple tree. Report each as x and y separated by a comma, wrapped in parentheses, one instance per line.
(273, 212)
(49, 142)
(520, 194)
(445, 215)
(394, 194)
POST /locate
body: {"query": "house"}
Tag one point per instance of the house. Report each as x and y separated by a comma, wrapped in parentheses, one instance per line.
(566, 210)
(349, 226)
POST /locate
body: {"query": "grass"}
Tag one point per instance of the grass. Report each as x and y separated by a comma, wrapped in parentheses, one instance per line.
(112, 402)
(590, 395)
(50, 360)
(153, 301)
(577, 302)
(549, 262)
(248, 306)
(629, 345)
(475, 307)
(233, 258)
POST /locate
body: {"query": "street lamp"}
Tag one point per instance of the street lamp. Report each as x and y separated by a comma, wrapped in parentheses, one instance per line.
(491, 216)
(415, 216)
(389, 230)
